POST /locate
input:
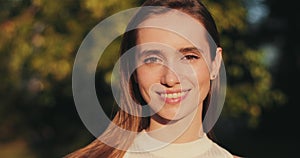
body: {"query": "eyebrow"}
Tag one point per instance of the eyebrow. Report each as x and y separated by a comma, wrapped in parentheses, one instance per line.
(190, 49)
(149, 51)
(181, 50)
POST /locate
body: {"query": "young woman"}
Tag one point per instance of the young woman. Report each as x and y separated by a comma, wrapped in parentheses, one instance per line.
(172, 85)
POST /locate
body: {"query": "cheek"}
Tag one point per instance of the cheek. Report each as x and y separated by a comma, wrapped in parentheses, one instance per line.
(203, 78)
(146, 79)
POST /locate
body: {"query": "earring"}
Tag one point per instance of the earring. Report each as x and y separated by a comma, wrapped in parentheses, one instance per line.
(213, 76)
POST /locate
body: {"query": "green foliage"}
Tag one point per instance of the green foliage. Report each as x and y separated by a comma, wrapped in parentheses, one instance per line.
(38, 43)
(249, 89)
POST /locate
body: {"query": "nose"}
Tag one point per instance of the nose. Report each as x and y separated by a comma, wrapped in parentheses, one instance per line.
(169, 78)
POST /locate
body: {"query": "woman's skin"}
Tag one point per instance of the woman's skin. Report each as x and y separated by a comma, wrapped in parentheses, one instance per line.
(172, 58)
(173, 78)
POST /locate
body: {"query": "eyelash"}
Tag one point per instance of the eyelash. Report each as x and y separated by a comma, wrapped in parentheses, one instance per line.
(151, 60)
(190, 57)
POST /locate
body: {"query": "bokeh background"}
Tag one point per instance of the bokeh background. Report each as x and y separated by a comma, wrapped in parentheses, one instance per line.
(39, 40)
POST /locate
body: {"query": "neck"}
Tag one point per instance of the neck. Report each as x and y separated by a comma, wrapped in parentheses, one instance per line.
(184, 130)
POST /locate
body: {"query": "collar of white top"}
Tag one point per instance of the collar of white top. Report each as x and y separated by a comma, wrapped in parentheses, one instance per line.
(145, 143)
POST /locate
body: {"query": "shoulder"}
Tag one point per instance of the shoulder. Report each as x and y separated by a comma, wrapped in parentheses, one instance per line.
(218, 148)
(236, 156)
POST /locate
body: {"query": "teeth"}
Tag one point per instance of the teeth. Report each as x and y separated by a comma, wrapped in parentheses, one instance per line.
(172, 95)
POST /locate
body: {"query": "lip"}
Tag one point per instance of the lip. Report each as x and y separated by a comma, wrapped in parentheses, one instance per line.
(173, 96)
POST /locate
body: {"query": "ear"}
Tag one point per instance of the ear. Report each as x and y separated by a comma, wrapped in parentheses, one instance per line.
(216, 64)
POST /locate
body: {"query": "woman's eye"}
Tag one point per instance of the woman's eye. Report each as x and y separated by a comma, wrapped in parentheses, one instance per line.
(190, 57)
(152, 60)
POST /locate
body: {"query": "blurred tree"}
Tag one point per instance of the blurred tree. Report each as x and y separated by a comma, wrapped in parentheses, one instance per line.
(279, 36)
(38, 43)
(250, 89)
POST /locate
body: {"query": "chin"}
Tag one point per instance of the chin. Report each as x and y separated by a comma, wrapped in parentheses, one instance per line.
(170, 115)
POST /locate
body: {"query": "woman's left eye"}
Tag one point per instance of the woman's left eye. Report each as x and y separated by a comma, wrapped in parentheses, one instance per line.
(190, 57)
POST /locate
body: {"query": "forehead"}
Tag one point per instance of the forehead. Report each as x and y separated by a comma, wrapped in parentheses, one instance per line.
(173, 25)
(160, 36)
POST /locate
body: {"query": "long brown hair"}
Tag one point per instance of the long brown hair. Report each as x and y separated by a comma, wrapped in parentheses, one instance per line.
(130, 94)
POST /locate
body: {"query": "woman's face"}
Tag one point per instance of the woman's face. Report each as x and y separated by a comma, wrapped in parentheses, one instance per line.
(172, 73)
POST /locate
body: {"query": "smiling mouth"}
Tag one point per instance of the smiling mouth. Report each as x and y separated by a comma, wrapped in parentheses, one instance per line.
(173, 97)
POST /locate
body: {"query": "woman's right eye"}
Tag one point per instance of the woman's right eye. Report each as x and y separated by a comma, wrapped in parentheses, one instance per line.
(152, 60)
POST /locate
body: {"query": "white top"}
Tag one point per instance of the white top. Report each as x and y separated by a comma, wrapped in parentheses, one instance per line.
(149, 147)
